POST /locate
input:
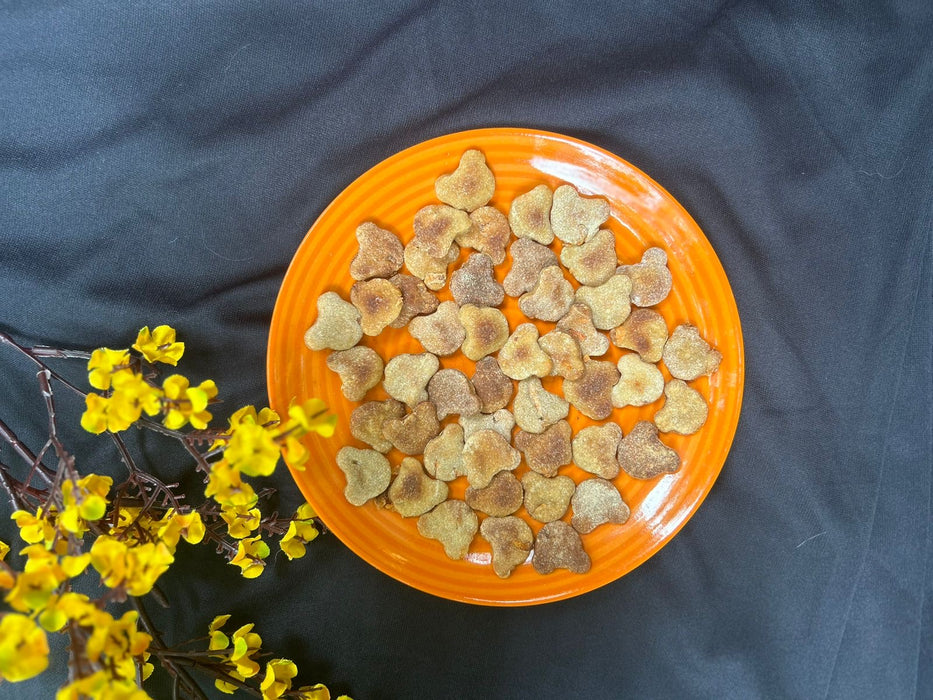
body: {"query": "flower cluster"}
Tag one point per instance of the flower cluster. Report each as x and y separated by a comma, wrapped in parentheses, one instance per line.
(252, 445)
(130, 394)
(77, 526)
(238, 653)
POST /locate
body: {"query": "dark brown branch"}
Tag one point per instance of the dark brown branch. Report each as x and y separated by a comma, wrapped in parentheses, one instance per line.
(34, 357)
(210, 670)
(57, 353)
(157, 646)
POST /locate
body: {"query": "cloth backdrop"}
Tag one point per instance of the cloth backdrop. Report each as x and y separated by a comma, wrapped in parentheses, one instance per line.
(161, 161)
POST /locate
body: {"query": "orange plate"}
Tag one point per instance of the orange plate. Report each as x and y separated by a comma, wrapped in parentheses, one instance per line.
(643, 215)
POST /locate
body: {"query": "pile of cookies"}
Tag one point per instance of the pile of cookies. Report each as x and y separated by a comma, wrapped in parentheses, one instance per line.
(451, 426)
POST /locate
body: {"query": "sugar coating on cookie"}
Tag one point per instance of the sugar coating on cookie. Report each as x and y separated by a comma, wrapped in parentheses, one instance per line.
(684, 410)
(440, 333)
(502, 496)
(576, 219)
(493, 388)
(379, 303)
(412, 492)
(551, 297)
(337, 326)
(380, 253)
(468, 187)
(530, 215)
(521, 356)
(367, 420)
(688, 356)
(528, 259)
(595, 447)
(411, 434)
(592, 263)
(368, 473)
(651, 280)
(535, 408)
(558, 546)
(417, 299)
(451, 392)
(407, 376)
(511, 539)
(547, 498)
(642, 455)
(452, 523)
(548, 451)
(596, 502)
(591, 394)
(490, 233)
(474, 282)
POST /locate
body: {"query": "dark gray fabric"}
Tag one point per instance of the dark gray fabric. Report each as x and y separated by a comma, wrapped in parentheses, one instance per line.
(160, 163)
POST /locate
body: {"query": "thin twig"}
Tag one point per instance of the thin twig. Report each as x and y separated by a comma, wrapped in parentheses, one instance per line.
(221, 675)
(28, 352)
(20, 449)
(58, 353)
(15, 498)
(158, 646)
(187, 440)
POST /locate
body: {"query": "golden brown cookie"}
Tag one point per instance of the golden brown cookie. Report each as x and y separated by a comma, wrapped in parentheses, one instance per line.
(642, 454)
(337, 326)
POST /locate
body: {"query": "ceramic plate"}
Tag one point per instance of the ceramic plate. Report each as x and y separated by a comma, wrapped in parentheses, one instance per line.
(643, 215)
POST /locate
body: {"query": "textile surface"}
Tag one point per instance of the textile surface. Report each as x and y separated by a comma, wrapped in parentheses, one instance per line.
(160, 162)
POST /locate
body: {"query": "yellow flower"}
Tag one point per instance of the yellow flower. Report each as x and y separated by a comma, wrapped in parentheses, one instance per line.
(218, 639)
(7, 580)
(300, 531)
(35, 585)
(94, 419)
(252, 450)
(311, 416)
(295, 453)
(159, 345)
(102, 686)
(75, 565)
(245, 644)
(133, 526)
(137, 567)
(229, 688)
(184, 403)
(120, 641)
(266, 418)
(241, 520)
(83, 501)
(279, 674)
(34, 528)
(148, 562)
(249, 556)
(61, 608)
(175, 526)
(96, 485)
(24, 648)
(88, 687)
(131, 396)
(118, 645)
(226, 486)
(318, 691)
(104, 363)
(108, 557)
